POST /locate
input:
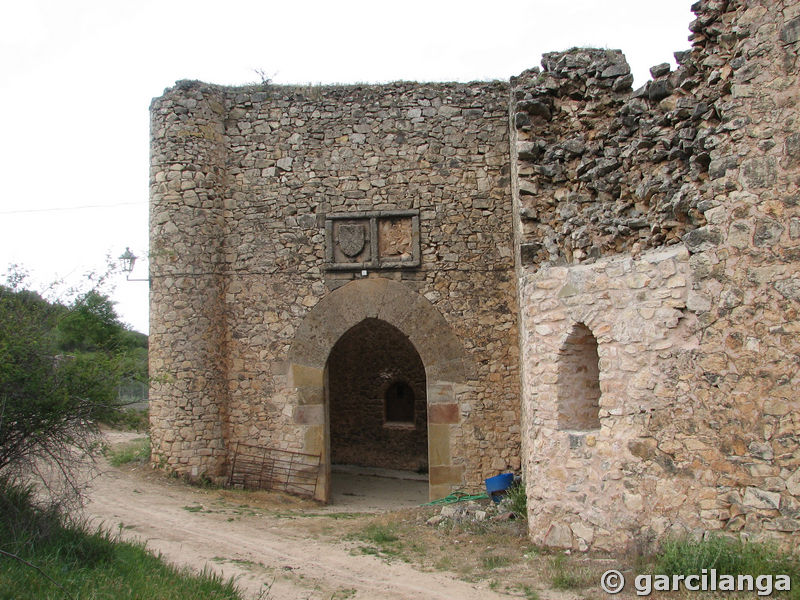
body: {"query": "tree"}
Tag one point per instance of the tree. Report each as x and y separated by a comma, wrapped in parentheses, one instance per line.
(59, 370)
(91, 324)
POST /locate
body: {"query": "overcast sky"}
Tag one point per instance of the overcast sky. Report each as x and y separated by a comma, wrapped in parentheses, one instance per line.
(77, 77)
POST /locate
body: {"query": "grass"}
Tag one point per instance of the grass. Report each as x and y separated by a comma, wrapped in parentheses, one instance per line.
(67, 560)
(137, 450)
(494, 562)
(684, 556)
(517, 499)
(383, 541)
(566, 575)
(379, 534)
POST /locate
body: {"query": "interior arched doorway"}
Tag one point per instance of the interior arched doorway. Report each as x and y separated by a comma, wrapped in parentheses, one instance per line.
(377, 399)
(415, 319)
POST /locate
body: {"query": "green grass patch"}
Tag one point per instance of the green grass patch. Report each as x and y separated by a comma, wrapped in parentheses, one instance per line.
(383, 540)
(528, 592)
(379, 534)
(683, 556)
(66, 560)
(137, 450)
(299, 514)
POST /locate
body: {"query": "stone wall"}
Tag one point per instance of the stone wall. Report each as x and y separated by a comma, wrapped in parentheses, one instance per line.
(286, 160)
(697, 337)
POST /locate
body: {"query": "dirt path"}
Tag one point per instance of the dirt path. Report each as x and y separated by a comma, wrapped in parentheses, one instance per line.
(270, 544)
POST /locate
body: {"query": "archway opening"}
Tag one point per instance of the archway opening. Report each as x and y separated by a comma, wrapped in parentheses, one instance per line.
(377, 400)
(579, 381)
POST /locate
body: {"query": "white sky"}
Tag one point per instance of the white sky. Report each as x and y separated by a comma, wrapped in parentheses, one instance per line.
(77, 77)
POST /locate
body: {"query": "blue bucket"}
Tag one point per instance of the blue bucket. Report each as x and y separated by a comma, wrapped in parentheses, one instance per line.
(498, 484)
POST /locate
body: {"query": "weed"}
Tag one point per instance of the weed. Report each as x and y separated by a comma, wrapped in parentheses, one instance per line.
(445, 563)
(529, 592)
(128, 419)
(193, 509)
(517, 499)
(385, 541)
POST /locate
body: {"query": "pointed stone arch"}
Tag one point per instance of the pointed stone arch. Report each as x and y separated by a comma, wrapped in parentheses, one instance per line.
(442, 354)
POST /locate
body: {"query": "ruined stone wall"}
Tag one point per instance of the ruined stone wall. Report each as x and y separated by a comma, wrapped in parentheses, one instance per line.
(291, 157)
(664, 220)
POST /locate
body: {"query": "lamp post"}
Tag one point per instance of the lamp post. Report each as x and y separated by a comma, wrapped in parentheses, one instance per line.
(128, 259)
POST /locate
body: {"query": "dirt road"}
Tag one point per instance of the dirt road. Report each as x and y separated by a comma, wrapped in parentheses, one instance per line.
(277, 548)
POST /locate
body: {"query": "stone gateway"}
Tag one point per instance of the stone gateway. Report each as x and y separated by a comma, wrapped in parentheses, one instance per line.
(558, 276)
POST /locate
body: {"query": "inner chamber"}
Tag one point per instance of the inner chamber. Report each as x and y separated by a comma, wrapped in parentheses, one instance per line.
(378, 400)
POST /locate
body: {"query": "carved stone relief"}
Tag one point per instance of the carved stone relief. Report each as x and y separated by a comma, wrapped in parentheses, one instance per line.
(372, 240)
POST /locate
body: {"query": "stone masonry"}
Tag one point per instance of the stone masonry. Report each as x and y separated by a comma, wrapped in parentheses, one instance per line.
(594, 285)
(663, 220)
(265, 202)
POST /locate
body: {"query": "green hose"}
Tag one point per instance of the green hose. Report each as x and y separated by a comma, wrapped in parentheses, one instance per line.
(457, 496)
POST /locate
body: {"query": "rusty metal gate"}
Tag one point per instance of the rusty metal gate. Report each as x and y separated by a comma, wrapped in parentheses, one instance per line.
(264, 468)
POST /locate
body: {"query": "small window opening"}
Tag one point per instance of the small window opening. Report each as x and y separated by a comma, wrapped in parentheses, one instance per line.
(399, 399)
(579, 381)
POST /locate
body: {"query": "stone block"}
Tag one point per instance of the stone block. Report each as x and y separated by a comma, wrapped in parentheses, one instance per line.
(313, 414)
(761, 499)
(310, 395)
(438, 491)
(444, 413)
(441, 393)
(559, 535)
(314, 440)
(446, 475)
(303, 376)
(439, 444)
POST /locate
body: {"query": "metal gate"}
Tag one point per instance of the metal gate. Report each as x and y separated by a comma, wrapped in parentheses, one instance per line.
(264, 468)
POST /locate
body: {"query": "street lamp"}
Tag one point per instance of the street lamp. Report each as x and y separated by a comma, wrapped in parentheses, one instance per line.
(128, 259)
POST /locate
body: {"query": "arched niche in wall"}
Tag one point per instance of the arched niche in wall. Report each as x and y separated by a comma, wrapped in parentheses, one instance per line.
(579, 381)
